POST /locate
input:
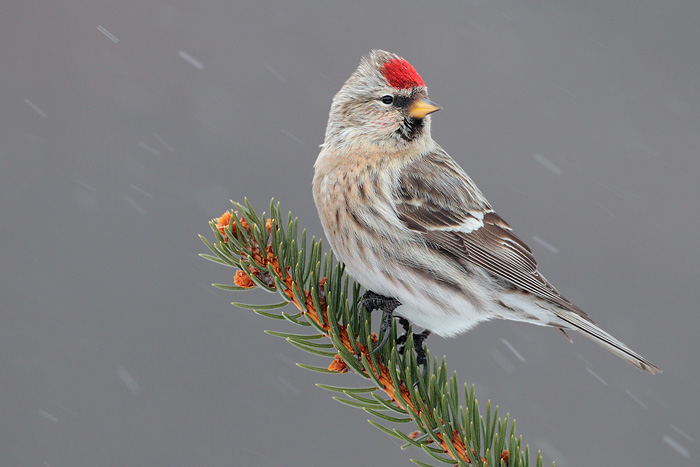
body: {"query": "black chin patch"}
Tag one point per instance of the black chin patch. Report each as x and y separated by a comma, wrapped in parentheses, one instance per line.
(411, 128)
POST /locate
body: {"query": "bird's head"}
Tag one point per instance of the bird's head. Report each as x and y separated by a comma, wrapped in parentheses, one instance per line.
(383, 104)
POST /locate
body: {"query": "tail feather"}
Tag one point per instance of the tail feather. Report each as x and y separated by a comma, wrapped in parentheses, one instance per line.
(602, 338)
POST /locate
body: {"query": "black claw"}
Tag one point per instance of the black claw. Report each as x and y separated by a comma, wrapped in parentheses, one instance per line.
(421, 357)
(384, 328)
(401, 341)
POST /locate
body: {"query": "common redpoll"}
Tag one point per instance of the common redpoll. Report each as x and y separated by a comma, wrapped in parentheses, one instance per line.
(413, 228)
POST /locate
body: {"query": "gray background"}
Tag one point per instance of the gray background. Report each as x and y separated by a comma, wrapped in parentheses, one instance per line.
(125, 126)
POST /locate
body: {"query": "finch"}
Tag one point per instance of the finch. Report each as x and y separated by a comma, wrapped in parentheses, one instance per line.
(414, 229)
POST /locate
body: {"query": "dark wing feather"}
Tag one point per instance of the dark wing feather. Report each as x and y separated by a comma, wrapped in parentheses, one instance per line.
(437, 199)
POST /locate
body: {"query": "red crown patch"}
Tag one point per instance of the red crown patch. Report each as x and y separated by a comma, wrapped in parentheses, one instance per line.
(400, 74)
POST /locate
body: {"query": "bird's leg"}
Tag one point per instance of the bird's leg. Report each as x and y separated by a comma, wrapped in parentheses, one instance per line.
(373, 301)
(418, 339)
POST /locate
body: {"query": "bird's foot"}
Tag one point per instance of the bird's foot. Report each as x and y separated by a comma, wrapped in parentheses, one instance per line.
(418, 340)
(373, 301)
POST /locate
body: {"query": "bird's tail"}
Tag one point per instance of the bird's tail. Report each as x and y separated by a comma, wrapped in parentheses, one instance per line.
(589, 329)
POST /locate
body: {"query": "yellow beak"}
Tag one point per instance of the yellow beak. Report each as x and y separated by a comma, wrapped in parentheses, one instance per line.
(422, 107)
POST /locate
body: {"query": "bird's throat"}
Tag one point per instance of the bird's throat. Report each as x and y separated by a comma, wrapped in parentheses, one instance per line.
(411, 128)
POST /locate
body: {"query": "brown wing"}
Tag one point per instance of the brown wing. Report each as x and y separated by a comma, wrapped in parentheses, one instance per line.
(437, 199)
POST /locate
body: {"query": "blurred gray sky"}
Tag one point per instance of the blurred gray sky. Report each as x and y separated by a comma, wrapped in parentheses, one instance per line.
(125, 126)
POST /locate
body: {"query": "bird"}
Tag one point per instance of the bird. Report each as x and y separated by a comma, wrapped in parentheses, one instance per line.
(414, 230)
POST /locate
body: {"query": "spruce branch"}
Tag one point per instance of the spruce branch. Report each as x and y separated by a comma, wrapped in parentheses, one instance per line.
(269, 255)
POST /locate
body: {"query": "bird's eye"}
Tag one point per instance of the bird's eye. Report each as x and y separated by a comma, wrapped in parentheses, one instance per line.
(387, 99)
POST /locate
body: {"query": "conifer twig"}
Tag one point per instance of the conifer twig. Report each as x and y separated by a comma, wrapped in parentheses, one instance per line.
(270, 256)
